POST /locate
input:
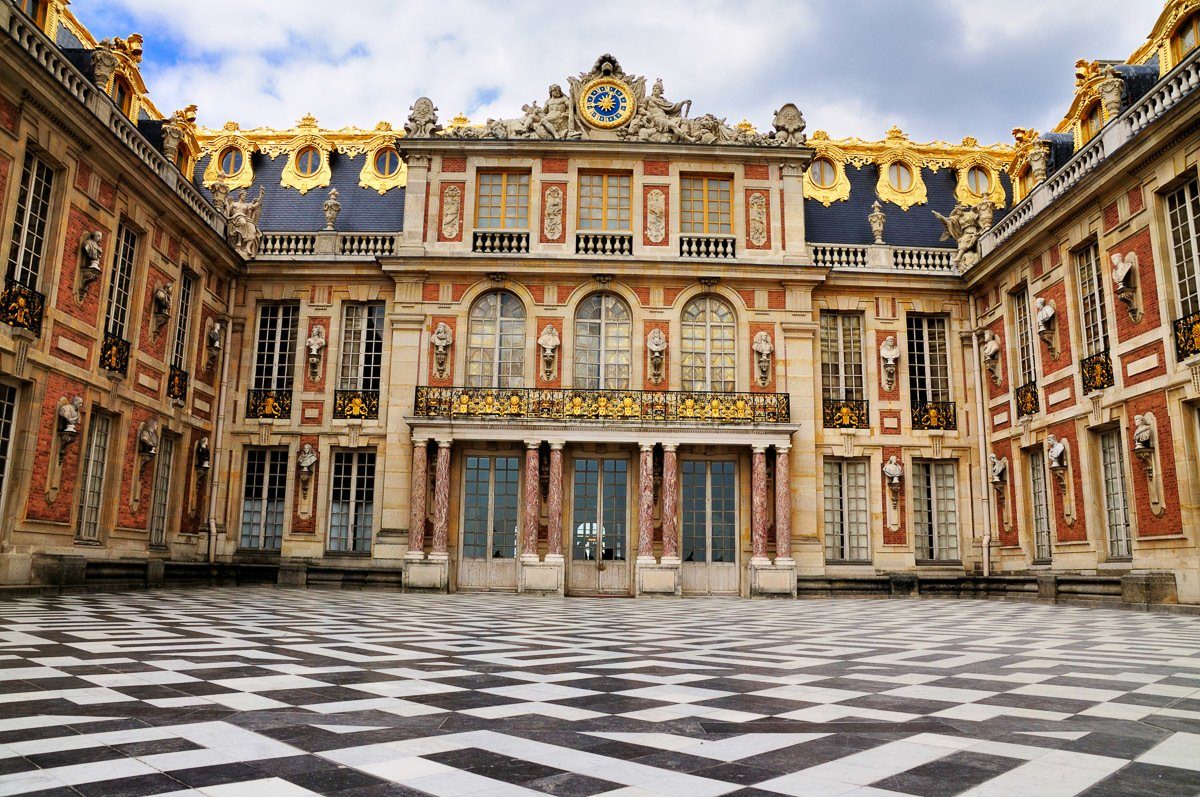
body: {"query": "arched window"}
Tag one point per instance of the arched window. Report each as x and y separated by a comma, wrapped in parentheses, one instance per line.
(979, 181)
(823, 173)
(603, 333)
(900, 176)
(308, 161)
(231, 161)
(709, 345)
(496, 341)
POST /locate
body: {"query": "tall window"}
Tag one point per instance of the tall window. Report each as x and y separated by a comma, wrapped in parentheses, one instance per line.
(705, 206)
(841, 357)
(187, 286)
(490, 507)
(119, 288)
(604, 201)
(847, 518)
(709, 346)
(1026, 364)
(1091, 122)
(161, 496)
(29, 226)
(496, 341)
(122, 94)
(91, 480)
(603, 337)
(935, 511)
(1183, 215)
(8, 414)
(1116, 509)
(1091, 294)
(1040, 500)
(352, 504)
(362, 347)
(263, 498)
(502, 201)
(709, 504)
(928, 359)
(274, 364)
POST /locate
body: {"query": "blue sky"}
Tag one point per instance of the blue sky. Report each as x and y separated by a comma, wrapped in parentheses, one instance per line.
(938, 68)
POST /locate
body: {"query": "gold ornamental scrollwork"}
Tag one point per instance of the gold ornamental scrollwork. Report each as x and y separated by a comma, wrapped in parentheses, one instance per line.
(308, 134)
(1159, 41)
(826, 149)
(369, 176)
(216, 142)
(993, 168)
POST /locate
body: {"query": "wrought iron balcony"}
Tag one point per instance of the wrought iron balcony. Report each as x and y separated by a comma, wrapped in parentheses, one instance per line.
(22, 307)
(644, 406)
(355, 404)
(499, 242)
(709, 247)
(603, 243)
(269, 404)
(114, 354)
(1187, 336)
(934, 415)
(1097, 372)
(1027, 399)
(177, 384)
(846, 413)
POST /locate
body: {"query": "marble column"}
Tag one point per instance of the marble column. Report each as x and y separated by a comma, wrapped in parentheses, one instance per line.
(441, 502)
(416, 508)
(758, 504)
(554, 502)
(646, 504)
(531, 505)
(670, 504)
(783, 504)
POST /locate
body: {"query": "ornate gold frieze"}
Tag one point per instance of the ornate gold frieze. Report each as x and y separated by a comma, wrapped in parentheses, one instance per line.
(308, 137)
(826, 149)
(1159, 41)
(370, 176)
(216, 142)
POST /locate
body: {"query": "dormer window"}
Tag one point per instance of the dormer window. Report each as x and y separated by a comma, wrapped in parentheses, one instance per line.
(36, 10)
(308, 161)
(1025, 181)
(122, 94)
(387, 162)
(823, 173)
(231, 161)
(1186, 37)
(900, 176)
(979, 181)
(1090, 122)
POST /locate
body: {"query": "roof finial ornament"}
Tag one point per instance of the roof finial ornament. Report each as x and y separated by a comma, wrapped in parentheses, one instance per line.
(789, 126)
(422, 119)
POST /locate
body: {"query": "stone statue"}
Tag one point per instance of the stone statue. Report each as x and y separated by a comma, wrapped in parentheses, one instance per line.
(987, 213)
(93, 253)
(306, 461)
(656, 215)
(242, 226)
(220, 197)
(656, 345)
(442, 339)
(332, 208)
(963, 226)
(763, 349)
(889, 352)
(556, 118)
(148, 438)
(1143, 432)
(999, 468)
(991, 354)
(162, 300)
(314, 344)
(69, 415)
(1111, 91)
(203, 455)
(552, 220)
(174, 129)
(422, 119)
(1045, 314)
(1123, 267)
(213, 344)
(662, 119)
(548, 342)
(877, 218)
(893, 470)
(104, 64)
(789, 126)
(1055, 451)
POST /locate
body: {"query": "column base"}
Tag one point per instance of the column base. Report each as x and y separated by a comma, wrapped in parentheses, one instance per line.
(527, 559)
(658, 579)
(769, 580)
(414, 556)
(542, 577)
(427, 575)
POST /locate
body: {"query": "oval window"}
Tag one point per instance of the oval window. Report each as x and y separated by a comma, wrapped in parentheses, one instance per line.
(900, 176)
(823, 172)
(979, 182)
(387, 162)
(308, 161)
(231, 161)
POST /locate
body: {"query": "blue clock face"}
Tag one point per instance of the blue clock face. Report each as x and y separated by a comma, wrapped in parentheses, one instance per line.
(606, 103)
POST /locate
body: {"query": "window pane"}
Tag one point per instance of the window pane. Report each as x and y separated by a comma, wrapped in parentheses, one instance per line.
(1112, 456)
(1040, 501)
(708, 346)
(1091, 290)
(603, 343)
(29, 223)
(1183, 209)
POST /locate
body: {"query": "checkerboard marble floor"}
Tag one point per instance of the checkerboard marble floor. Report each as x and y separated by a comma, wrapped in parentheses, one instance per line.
(283, 692)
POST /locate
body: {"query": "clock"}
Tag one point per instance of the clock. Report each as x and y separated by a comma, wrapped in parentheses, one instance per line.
(606, 103)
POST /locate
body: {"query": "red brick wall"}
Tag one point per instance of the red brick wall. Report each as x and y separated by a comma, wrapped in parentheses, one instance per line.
(554, 165)
(893, 414)
(755, 387)
(37, 507)
(643, 294)
(318, 417)
(1067, 382)
(307, 525)
(452, 322)
(766, 244)
(88, 310)
(153, 373)
(898, 536)
(8, 114)
(1035, 266)
(669, 296)
(317, 384)
(666, 368)
(757, 171)
(1062, 328)
(1155, 348)
(61, 331)
(1170, 522)
(107, 195)
(776, 300)
(1112, 217)
(1136, 201)
(1007, 536)
(747, 295)
(538, 292)
(462, 207)
(656, 168)
(430, 291)
(1147, 286)
(5, 167)
(452, 164)
(556, 378)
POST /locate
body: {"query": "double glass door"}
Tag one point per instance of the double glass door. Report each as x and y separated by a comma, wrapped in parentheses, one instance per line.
(708, 522)
(600, 527)
(491, 495)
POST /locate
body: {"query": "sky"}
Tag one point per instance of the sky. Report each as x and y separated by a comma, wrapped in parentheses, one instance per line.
(940, 69)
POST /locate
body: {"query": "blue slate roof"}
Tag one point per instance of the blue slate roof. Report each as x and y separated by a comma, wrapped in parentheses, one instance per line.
(286, 210)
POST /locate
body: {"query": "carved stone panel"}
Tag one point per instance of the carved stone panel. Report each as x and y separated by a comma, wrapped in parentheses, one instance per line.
(656, 223)
(554, 201)
(450, 222)
(758, 220)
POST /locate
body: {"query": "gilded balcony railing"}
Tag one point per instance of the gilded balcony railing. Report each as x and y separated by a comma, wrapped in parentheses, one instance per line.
(617, 405)
(355, 404)
(934, 415)
(269, 404)
(1187, 336)
(22, 307)
(1027, 399)
(1097, 372)
(114, 354)
(177, 384)
(845, 414)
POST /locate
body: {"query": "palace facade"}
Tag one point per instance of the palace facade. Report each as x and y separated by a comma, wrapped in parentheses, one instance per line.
(610, 346)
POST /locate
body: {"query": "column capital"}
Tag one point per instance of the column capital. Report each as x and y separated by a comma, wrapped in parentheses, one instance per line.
(783, 448)
(646, 446)
(670, 446)
(557, 445)
(758, 449)
(444, 442)
(530, 444)
(420, 439)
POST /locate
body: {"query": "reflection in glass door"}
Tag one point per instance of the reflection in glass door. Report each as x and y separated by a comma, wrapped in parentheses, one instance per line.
(491, 490)
(599, 526)
(709, 526)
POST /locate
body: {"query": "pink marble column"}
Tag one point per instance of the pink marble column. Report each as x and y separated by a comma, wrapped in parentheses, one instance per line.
(783, 504)
(670, 504)
(416, 508)
(646, 503)
(530, 507)
(554, 501)
(758, 503)
(441, 499)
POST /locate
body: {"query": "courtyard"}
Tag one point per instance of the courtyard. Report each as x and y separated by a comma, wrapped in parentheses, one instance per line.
(269, 692)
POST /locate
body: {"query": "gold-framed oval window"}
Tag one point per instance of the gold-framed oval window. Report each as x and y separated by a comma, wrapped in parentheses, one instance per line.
(308, 161)
(231, 161)
(387, 162)
(979, 181)
(823, 173)
(900, 176)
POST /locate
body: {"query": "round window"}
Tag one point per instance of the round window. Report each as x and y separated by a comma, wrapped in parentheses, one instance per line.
(308, 161)
(900, 176)
(387, 162)
(979, 182)
(824, 173)
(231, 161)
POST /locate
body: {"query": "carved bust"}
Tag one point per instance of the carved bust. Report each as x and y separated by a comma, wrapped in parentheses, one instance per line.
(889, 350)
(893, 470)
(1045, 313)
(316, 341)
(1123, 266)
(69, 415)
(763, 349)
(162, 299)
(1143, 433)
(203, 455)
(999, 468)
(1055, 451)
(307, 458)
(148, 438)
(93, 252)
